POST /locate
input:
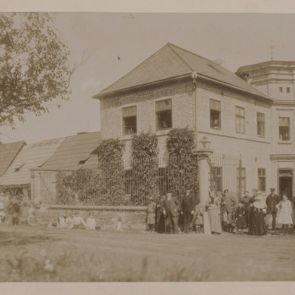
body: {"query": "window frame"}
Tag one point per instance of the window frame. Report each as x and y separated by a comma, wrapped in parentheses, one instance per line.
(220, 113)
(289, 129)
(156, 117)
(218, 177)
(239, 119)
(259, 177)
(241, 179)
(259, 121)
(123, 117)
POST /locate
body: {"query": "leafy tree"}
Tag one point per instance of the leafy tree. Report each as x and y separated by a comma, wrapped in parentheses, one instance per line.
(34, 67)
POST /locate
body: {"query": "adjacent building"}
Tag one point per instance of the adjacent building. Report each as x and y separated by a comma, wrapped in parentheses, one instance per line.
(249, 126)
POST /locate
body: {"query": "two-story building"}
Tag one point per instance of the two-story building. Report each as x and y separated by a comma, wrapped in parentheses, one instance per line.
(175, 88)
(277, 80)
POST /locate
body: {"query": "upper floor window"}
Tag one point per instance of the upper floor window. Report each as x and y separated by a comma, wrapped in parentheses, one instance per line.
(129, 120)
(281, 89)
(240, 120)
(164, 114)
(284, 128)
(288, 89)
(215, 114)
(261, 124)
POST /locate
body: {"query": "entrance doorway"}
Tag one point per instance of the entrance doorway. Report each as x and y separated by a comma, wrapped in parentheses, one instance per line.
(286, 182)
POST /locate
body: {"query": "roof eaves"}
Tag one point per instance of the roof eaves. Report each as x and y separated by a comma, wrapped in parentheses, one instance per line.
(136, 87)
(265, 97)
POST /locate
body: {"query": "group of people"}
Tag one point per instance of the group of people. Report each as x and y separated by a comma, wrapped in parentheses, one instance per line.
(224, 212)
(75, 221)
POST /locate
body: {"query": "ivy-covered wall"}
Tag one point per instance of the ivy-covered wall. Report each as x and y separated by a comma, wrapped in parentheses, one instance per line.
(144, 168)
(182, 163)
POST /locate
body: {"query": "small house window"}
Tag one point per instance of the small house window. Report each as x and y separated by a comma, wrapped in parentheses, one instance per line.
(281, 89)
(288, 89)
(261, 179)
(215, 114)
(261, 124)
(129, 120)
(284, 128)
(217, 176)
(240, 120)
(164, 114)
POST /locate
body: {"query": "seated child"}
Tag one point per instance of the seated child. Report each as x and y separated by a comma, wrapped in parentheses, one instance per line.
(78, 221)
(90, 222)
(197, 222)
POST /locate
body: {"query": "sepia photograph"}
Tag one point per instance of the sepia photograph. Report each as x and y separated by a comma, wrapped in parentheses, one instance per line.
(147, 147)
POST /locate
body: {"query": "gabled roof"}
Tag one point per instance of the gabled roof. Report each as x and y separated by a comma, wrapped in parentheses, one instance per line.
(8, 152)
(172, 61)
(30, 157)
(74, 153)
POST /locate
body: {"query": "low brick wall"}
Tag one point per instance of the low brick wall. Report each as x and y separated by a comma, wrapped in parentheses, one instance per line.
(132, 217)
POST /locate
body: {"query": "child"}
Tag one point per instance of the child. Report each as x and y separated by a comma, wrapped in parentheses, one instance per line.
(90, 222)
(285, 214)
(151, 215)
(198, 219)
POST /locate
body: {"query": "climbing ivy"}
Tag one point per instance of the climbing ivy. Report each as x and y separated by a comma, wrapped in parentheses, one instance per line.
(144, 167)
(182, 163)
(110, 164)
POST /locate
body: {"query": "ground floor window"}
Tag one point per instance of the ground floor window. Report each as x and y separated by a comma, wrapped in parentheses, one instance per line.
(128, 179)
(241, 180)
(163, 181)
(217, 177)
(261, 179)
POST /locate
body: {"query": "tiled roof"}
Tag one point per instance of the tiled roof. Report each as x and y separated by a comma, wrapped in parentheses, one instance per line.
(172, 61)
(30, 157)
(74, 153)
(8, 152)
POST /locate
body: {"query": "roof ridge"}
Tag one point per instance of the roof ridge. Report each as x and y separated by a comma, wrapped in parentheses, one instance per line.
(193, 53)
(147, 58)
(170, 45)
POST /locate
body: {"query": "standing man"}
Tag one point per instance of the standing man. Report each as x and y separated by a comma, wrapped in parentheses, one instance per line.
(172, 208)
(271, 202)
(151, 215)
(187, 207)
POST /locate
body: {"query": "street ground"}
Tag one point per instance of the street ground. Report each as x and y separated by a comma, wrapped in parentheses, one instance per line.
(36, 254)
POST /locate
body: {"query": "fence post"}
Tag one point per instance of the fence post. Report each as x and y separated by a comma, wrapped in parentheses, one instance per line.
(203, 156)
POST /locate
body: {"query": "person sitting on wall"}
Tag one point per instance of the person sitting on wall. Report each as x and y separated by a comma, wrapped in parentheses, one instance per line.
(2, 212)
(151, 215)
(90, 223)
(78, 221)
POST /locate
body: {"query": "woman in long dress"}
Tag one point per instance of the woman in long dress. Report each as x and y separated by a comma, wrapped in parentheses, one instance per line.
(259, 215)
(213, 209)
(285, 214)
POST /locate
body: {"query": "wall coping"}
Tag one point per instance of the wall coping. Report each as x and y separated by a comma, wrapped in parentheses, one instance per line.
(97, 208)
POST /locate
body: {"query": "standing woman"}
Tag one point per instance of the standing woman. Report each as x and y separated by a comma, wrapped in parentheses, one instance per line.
(214, 214)
(285, 214)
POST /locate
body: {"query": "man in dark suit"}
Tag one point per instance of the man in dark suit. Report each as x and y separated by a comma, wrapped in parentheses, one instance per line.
(161, 215)
(172, 209)
(271, 202)
(187, 209)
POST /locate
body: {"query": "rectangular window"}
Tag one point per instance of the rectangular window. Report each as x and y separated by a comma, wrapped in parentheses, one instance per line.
(288, 89)
(261, 124)
(163, 181)
(129, 120)
(261, 179)
(241, 180)
(281, 89)
(284, 128)
(164, 114)
(217, 176)
(128, 181)
(240, 120)
(215, 114)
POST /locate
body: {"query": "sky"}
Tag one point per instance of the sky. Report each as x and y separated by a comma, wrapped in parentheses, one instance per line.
(96, 40)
